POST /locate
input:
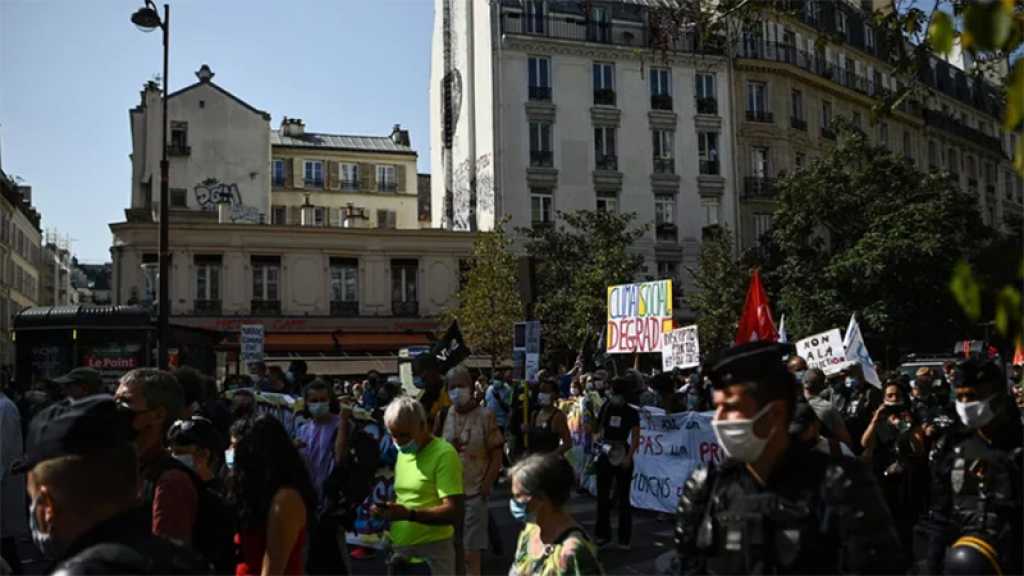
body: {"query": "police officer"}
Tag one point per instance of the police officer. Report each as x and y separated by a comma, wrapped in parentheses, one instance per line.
(83, 476)
(980, 478)
(774, 505)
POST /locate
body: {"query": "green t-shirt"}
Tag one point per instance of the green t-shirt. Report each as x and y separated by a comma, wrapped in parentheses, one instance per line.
(422, 479)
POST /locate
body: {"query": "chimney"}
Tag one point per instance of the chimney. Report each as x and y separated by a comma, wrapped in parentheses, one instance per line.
(292, 127)
(398, 136)
(308, 213)
(204, 73)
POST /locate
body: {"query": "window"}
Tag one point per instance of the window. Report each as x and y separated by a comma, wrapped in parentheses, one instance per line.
(663, 159)
(665, 217)
(266, 274)
(883, 134)
(541, 206)
(661, 82)
(607, 203)
(759, 161)
(344, 280)
(668, 269)
(762, 225)
(350, 176)
(314, 173)
(757, 102)
(535, 16)
(403, 280)
(320, 216)
(707, 148)
(604, 148)
(207, 270)
(179, 138)
(386, 181)
(954, 162)
(279, 215)
(386, 219)
(799, 160)
(812, 10)
(798, 105)
(540, 144)
(869, 37)
(705, 93)
(178, 199)
(908, 149)
(604, 84)
(539, 73)
(277, 172)
(841, 22)
(826, 119)
(933, 154)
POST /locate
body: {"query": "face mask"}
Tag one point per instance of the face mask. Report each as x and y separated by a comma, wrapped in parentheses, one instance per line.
(229, 458)
(519, 510)
(544, 399)
(410, 447)
(851, 382)
(799, 375)
(975, 414)
(458, 396)
(318, 409)
(737, 438)
(186, 459)
(43, 540)
(418, 382)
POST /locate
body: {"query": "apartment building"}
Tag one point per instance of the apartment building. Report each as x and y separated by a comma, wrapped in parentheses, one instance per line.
(55, 271)
(20, 240)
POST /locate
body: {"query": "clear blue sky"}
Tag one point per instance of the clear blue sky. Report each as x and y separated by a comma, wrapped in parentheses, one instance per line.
(71, 69)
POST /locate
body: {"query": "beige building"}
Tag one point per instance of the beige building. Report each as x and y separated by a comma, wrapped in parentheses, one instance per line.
(344, 181)
(20, 239)
(795, 75)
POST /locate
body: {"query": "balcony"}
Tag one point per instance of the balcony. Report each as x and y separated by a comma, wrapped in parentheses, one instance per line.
(387, 186)
(664, 165)
(604, 97)
(759, 116)
(666, 233)
(758, 187)
(608, 163)
(707, 106)
(265, 307)
(349, 185)
(174, 149)
(541, 158)
(313, 182)
(344, 309)
(798, 123)
(828, 133)
(661, 102)
(206, 307)
(409, 308)
(540, 93)
(709, 167)
(946, 123)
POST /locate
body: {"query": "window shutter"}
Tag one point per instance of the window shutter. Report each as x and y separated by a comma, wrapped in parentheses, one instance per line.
(367, 177)
(326, 164)
(400, 178)
(332, 216)
(392, 217)
(297, 172)
(333, 169)
(382, 218)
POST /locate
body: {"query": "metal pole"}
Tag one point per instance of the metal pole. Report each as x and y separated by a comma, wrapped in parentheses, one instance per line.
(165, 256)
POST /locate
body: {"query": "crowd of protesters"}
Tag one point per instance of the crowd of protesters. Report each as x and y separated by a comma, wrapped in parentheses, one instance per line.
(169, 472)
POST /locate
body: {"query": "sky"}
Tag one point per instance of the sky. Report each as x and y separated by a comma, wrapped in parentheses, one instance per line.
(71, 69)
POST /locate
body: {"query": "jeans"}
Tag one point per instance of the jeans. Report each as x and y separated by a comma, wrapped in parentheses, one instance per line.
(623, 478)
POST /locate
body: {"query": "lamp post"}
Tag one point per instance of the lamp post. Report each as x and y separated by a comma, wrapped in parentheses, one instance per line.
(148, 19)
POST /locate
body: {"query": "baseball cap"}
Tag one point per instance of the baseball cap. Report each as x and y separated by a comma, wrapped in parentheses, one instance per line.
(88, 377)
(751, 362)
(75, 427)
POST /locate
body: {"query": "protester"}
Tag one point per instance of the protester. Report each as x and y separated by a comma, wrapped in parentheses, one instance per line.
(427, 376)
(499, 399)
(473, 431)
(80, 382)
(275, 382)
(619, 440)
(669, 400)
(806, 429)
(428, 489)
(155, 400)
(856, 401)
(549, 427)
(551, 543)
(259, 379)
(371, 388)
(297, 376)
(274, 495)
(723, 525)
(243, 405)
(814, 384)
(12, 488)
(82, 480)
(198, 444)
(797, 366)
(317, 437)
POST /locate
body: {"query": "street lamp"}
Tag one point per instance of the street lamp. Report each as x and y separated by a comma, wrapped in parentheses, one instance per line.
(148, 19)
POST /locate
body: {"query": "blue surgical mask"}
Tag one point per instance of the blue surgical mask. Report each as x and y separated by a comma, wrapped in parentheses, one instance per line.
(418, 382)
(800, 376)
(318, 409)
(410, 447)
(519, 510)
(43, 540)
(851, 382)
(229, 458)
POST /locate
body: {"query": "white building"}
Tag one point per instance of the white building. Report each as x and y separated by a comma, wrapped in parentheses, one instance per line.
(538, 108)
(219, 151)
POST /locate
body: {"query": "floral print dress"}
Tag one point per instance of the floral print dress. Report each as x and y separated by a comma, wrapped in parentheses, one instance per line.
(573, 555)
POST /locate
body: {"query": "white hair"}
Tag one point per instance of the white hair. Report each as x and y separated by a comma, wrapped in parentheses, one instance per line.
(405, 411)
(457, 373)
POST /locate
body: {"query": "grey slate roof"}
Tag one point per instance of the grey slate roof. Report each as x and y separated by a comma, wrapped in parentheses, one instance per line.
(339, 142)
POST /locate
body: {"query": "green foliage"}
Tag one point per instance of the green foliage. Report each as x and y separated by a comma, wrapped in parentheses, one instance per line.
(489, 300)
(720, 284)
(574, 263)
(864, 231)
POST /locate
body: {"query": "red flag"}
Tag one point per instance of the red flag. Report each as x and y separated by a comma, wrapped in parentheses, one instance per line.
(756, 322)
(1018, 353)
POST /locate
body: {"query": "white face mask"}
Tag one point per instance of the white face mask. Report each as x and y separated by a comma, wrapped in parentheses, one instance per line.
(544, 399)
(975, 414)
(186, 459)
(737, 437)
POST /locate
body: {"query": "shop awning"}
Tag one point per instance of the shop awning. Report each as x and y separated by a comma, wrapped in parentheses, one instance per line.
(333, 342)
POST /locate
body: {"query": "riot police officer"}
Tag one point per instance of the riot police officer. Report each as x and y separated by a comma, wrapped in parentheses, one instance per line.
(774, 505)
(979, 479)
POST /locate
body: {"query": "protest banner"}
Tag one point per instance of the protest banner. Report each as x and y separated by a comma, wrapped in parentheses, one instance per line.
(672, 446)
(638, 316)
(251, 339)
(824, 351)
(681, 349)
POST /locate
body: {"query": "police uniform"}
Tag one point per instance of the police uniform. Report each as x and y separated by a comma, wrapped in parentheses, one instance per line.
(815, 514)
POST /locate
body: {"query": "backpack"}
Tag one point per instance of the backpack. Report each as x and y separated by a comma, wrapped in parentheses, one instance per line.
(350, 483)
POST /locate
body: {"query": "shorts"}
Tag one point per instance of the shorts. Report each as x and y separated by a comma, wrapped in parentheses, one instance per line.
(474, 536)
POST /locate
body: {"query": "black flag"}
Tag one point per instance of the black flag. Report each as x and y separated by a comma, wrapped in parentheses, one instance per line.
(451, 349)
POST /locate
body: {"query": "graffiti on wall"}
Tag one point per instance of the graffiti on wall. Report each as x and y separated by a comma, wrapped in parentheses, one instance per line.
(212, 192)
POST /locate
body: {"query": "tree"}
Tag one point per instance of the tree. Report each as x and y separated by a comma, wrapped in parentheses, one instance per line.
(718, 297)
(489, 300)
(861, 230)
(574, 262)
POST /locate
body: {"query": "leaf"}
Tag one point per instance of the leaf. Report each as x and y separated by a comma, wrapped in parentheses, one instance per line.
(940, 33)
(986, 25)
(1018, 160)
(966, 290)
(1008, 311)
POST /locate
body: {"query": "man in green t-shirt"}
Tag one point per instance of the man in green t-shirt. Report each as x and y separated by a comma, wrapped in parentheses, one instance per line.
(428, 488)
